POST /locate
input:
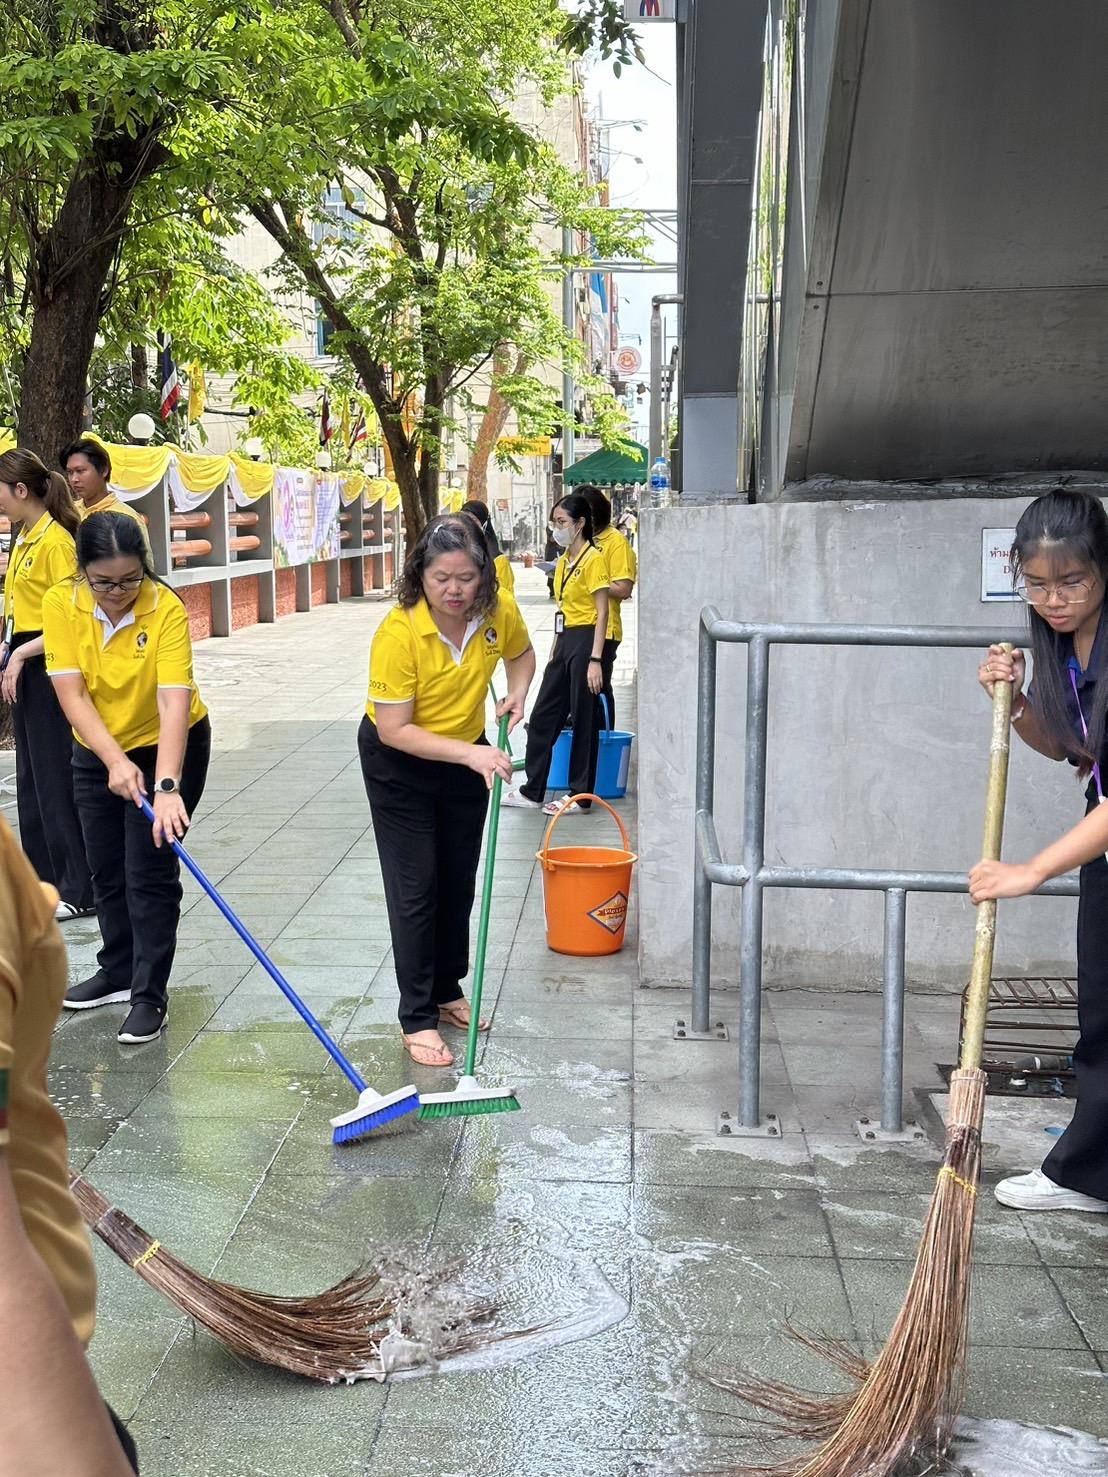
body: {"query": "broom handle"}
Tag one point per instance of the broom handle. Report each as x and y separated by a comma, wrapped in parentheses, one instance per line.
(486, 910)
(263, 959)
(977, 997)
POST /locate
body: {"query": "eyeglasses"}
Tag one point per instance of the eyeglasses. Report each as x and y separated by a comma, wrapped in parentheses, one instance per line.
(1070, 592)
(108, 587)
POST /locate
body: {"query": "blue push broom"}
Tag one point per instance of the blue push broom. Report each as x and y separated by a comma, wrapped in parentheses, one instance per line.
(374, 1109)
(469, 1099)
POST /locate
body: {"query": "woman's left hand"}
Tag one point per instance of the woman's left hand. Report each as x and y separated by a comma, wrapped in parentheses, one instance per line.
(9, 681)
(595, 678)
(1003, 879)
(512, 704)
(171, 819)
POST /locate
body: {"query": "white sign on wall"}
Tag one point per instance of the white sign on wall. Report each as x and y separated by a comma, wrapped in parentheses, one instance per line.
(996, 564)
(650, 10)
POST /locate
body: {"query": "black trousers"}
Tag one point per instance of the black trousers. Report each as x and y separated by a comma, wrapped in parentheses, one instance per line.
(428, 819)
(1079, 1160)
(564, 694)
(136, 885)
(128, 1445)
(49, 830)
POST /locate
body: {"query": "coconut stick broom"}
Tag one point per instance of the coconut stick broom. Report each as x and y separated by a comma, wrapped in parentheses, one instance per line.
(901, 1414)
(333, 1336)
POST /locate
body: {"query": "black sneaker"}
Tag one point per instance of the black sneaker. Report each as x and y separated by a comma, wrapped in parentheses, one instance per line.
(143, 1023)
(94, 991)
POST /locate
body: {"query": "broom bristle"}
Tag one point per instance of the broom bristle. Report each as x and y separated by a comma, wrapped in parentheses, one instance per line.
(905, 1404)
(331, 1336)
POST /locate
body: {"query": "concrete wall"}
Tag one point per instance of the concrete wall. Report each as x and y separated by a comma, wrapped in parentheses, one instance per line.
(877, 757)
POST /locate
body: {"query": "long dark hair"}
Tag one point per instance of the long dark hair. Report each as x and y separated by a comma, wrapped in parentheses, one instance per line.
(601, 507)
(109, 535)
(51, 488)
(479, 512)
(449, 533)
(1063, 525)
(577, 506)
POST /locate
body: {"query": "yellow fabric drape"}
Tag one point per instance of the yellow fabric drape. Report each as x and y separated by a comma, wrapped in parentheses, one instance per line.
(7, 440)
(136, 469)
(255, 478)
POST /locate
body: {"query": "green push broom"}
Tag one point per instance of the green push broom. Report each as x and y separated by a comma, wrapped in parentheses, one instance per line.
(469, 1099)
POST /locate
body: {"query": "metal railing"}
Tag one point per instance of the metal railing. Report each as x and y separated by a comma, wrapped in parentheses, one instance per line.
(753, 876)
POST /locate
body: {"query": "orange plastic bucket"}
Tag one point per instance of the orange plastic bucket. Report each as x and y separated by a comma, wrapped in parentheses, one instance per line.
(586, 890)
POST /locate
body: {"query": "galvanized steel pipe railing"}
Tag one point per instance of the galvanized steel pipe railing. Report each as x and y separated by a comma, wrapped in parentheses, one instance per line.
(711, 869)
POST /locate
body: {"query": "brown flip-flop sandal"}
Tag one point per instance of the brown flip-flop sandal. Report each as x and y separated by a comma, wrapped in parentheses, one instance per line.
(412, 1047)
(452, 1015)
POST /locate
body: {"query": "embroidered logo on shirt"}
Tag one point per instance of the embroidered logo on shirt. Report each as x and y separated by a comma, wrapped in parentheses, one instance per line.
(490, 635)
(141, 640)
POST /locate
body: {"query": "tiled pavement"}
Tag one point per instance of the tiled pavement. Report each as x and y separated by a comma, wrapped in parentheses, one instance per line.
(216, 1140)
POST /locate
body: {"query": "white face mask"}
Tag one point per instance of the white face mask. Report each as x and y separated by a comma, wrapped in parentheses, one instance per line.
(563, 537)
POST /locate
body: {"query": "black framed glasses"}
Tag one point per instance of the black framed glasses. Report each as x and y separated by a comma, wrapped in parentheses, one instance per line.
(108, 587)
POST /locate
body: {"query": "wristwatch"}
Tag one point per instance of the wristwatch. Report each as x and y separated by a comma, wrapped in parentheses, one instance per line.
(596, 659)
(167, 787)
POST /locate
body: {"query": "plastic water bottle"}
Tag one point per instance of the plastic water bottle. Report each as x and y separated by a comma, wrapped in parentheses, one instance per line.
(659, 481)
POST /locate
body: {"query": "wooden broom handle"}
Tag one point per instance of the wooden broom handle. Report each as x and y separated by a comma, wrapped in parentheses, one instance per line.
(977, 997)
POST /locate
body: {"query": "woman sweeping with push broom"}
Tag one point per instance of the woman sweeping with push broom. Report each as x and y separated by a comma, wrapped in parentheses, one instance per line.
(428, 767)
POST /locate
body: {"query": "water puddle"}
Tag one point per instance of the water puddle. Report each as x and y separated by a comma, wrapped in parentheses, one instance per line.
(544, 1297)
(1009, 1449)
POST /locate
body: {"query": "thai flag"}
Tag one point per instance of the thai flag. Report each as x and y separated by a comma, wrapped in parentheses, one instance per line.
(171, 389)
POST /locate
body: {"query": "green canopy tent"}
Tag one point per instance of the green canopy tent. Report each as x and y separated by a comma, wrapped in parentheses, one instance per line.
(609, 468)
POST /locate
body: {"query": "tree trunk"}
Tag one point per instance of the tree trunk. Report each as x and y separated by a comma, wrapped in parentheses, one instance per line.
(492, 426)
(68, 275)
(140, 369)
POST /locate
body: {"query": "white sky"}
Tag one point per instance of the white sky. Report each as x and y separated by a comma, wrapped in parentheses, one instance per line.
(648, 93)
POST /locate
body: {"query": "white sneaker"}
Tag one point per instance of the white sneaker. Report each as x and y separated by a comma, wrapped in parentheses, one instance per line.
(517, 800)
(1035, 1192)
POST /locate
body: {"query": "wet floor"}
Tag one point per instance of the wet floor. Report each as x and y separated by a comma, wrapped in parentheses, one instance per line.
(633, 1248)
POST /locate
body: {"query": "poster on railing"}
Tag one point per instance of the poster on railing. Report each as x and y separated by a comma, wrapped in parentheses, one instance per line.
(305, 517)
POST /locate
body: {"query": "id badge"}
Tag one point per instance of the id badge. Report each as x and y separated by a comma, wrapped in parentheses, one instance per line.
(559, 623)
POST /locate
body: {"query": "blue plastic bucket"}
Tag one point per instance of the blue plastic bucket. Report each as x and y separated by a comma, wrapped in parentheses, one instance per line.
(612, 764)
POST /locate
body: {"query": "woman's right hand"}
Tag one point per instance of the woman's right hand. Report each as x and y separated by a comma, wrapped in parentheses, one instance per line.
(125, 780)
(1003, 666)
(489, 762)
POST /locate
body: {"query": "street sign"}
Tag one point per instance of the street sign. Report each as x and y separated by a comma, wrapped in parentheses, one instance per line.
(650, 10)
(626, 361)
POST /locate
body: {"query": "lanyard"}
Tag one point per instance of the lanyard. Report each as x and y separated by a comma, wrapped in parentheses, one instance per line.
(1085, 732)
(569, 570)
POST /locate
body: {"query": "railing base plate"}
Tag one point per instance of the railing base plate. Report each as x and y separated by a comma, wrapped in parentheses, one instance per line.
(729, 1127)
(682, 1031)
(871, 1132)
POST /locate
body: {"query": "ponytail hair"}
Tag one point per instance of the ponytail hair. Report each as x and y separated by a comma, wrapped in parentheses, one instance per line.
(479, 512)
(51, 488)
(109, 535)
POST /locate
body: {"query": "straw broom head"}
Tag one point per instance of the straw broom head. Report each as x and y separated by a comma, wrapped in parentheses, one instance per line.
(900, 1416)
(333, 1336)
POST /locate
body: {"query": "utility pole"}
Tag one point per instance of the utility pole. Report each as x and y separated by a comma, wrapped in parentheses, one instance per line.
(657, 431)
(569, 321)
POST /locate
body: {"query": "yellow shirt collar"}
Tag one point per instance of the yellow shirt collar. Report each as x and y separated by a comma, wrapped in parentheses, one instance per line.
(422, 619)
(32, 535)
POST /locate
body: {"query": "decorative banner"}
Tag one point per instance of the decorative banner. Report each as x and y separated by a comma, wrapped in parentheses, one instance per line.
(305, 516)
(7, 440)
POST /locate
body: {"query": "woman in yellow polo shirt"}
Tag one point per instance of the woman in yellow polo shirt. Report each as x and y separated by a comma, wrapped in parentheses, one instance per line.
(119, 655)
(574, 675)
(87, 467)
(428, 766)
(479, 512)
(44, 521)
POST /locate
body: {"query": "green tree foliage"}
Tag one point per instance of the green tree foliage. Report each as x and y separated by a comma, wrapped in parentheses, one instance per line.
(426, 256)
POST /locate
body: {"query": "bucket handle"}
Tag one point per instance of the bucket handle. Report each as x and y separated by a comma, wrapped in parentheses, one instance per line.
(566, 803)
(607, 718)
